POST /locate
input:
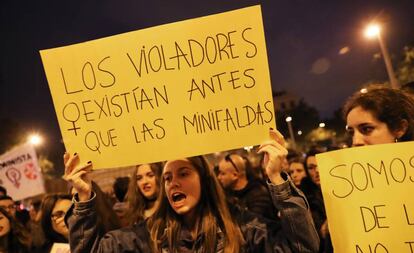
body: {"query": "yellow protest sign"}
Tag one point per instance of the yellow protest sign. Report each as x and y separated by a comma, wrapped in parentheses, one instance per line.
(367, 195)
(175, 90)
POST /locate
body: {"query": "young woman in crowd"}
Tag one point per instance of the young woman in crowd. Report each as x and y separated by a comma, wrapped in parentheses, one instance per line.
(143, 191)
(14, 238)
(375, 115)
(379, 115)
(311, 187)
(297, 169)
(34, 226)
(53, 210)
(192, 215)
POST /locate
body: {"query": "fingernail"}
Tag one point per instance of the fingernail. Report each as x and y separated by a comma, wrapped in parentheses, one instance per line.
(271, 128)
(89, 162)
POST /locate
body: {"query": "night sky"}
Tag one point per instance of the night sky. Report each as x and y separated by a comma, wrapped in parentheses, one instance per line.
(303, 39)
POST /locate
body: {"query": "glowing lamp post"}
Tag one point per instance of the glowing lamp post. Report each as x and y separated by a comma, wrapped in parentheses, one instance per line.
(35, 139)
(374, 31)
(292, 136)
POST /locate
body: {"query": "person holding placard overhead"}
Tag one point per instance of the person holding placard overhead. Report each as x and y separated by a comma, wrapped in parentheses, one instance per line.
(379, 115)
(192, 214)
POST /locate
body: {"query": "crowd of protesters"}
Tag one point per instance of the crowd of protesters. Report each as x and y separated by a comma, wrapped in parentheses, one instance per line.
(187, 205)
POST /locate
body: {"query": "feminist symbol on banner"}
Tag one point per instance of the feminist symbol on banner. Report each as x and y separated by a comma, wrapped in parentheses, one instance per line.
(74, 129)
(30, 171)
(67, 113)
(14, 176)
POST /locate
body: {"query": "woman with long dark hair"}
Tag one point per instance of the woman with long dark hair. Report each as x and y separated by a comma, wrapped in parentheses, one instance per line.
(192, 204)
(14, 238)
(53, 210)
(143, 191)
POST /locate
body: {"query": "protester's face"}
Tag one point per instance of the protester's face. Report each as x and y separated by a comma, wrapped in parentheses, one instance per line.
(366, 129)
(58, 215)
(227, 174)
(4, 225)
(33, 213)
(9, 206)
(285, 164)
(297, 172)
(313, 169)
(182, 186)
(147, 182)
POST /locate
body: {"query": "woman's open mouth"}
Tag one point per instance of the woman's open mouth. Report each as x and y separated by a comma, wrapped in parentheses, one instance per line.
(178, 198)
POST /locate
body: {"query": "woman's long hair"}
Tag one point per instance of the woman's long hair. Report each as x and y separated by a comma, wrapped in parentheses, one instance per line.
(48, 203)
(136, 200)
(212, 211)
(107, 219)
(18, 237)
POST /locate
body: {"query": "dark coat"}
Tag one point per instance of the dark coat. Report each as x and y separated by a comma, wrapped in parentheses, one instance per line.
(255, 197)
(314, 196)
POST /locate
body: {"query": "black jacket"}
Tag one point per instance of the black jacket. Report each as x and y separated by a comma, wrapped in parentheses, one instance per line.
(255, 198)
(313, 194)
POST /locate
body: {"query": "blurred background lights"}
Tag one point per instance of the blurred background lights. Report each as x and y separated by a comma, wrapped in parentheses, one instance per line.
(320, 66)
(35, 139)
(344, 50)
(372, 31)
(248, 148)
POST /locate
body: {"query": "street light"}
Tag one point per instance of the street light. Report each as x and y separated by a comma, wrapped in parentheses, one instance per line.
(372, 31)
(248, 148)
(321, 125)
(35, 139)
(292, 136)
